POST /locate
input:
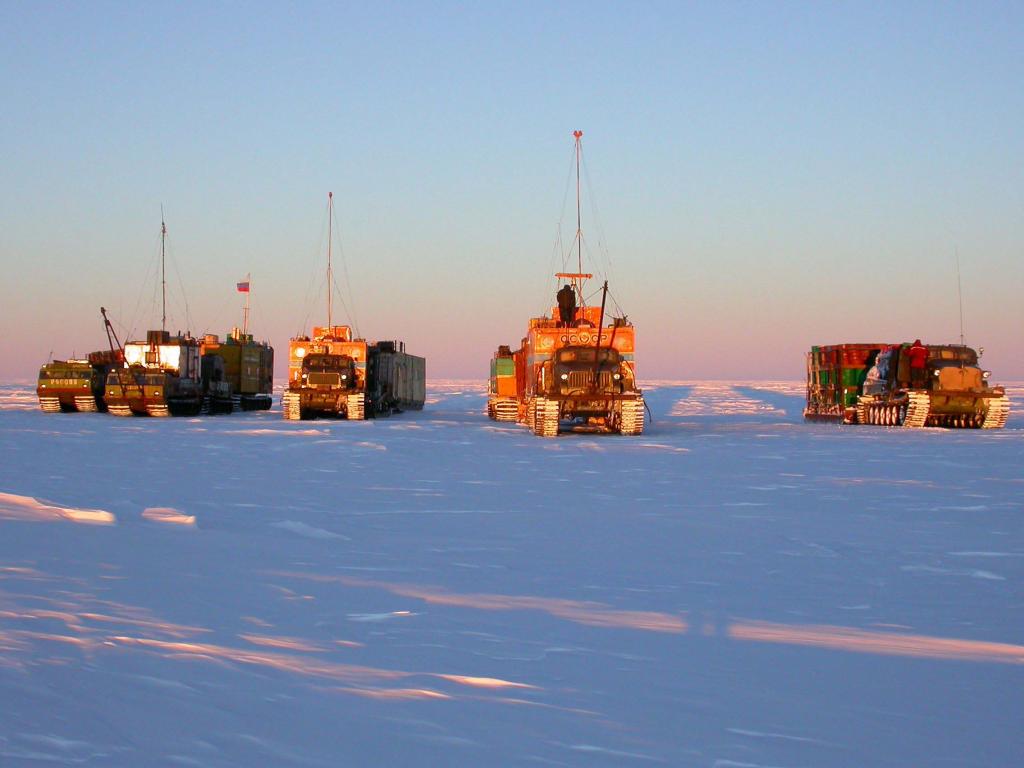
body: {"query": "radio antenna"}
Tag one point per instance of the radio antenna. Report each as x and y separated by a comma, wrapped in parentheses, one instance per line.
(959, 294)
(163, 271)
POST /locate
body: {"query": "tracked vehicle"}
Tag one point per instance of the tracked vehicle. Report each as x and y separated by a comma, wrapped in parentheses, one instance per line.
(75, 385)
(503, 385)
(570, 375)
(332, 373)
(160, 377)
(873, 384)
(573, 371)
(237, 373)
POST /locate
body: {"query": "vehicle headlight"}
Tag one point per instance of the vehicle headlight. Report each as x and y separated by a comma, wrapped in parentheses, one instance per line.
(305, 376)
(300, 352)
(564, 377)
(616, 376)
(344, 376)
(986, 374)
(935, 373)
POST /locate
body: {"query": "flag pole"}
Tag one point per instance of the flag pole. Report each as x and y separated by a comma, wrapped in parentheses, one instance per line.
(245, 312)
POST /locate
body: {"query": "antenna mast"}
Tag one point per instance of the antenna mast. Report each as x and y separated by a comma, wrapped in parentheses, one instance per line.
(163, 271)
(579, 229)
(959, 295)
(330, 274)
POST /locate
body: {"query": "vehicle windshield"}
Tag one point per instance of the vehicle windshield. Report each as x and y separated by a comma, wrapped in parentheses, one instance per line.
(327, 363)
(587, 355)
(952, 354)
(121, 375)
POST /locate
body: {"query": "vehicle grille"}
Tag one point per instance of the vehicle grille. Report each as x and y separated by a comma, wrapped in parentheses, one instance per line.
(324, 380)
(585, 379)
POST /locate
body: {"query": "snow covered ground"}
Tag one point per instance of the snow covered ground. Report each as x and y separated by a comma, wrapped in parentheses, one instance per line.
(733, 589)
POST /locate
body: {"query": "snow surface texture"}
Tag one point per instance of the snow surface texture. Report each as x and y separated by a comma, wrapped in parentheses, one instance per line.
(733, 589)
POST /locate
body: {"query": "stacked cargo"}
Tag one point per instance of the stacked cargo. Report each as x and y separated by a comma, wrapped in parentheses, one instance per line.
(835, 378)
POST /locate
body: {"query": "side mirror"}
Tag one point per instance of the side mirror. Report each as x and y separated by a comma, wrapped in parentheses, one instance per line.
(981, 351)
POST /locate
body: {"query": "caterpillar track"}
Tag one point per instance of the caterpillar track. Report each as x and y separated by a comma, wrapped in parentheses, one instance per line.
(49, 404)
(291, 406)
(86, 403)
(545, 419)
(998, 412)
(120, 410)
(956, 420)
(260, 402)
(355, 407)
(503, 410)
(870, 411)
(917, 413)
(863, 406)
(913, 413)
(161, 410)
(631, 417)
(918, 406)
(531, 405)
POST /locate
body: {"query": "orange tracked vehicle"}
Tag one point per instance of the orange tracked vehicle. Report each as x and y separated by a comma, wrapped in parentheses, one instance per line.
(573, 371)
(332, 373)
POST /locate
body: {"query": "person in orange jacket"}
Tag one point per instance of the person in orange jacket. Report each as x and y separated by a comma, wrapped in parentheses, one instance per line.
(918, 354)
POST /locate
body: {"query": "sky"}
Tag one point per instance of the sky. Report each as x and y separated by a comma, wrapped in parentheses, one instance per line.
(758, 177)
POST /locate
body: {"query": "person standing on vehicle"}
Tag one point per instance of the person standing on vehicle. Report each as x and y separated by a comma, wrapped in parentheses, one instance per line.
(566, 305)
(918, 354)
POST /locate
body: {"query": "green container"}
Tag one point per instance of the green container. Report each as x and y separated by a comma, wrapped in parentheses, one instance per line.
(505, 366)
(854, 377)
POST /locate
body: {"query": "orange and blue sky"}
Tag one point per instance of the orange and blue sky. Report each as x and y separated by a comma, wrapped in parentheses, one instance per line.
(760, 177)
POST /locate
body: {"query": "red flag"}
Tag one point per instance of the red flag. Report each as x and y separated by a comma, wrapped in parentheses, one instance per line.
(243, 287)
